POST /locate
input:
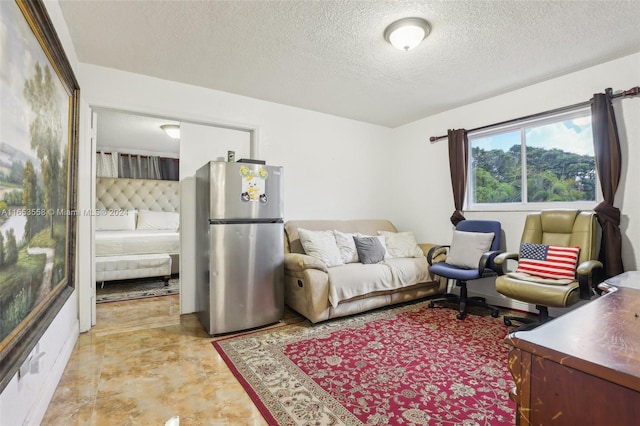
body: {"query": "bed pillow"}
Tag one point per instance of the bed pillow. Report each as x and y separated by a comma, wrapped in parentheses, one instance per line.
(468, 247)
(347, 246)
(321, 245)
(401, 244)
(545, 261)
(116, 220)
(370, 249)
(148, 219)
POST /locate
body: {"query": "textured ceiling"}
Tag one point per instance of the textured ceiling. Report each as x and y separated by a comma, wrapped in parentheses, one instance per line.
(330, 56)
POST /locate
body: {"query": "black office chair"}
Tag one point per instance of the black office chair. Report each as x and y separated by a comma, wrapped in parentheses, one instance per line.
(469, 257)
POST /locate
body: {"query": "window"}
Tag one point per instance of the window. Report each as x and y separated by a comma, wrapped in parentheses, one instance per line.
(552, 155)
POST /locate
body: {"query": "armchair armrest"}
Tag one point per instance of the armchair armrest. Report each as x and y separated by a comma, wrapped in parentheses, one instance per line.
(500, 261)
(486, 262)
(585, 277)
(298, 262)
(436, 254)
(587, 267)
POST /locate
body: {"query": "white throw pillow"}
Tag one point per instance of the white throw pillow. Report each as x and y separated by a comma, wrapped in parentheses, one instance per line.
(401, 244)
(321, 245)
(468, 247)
(347, 246)
(116, 220)
(148, 219)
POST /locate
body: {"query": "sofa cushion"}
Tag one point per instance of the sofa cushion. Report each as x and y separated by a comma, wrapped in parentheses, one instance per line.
(357, 279)
(407, 271)
(321, 245)
(364, 226)
(401, 244)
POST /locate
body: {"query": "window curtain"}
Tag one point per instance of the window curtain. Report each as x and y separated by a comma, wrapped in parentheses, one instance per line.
(107, 164)
(608, 163)
(169, 168)
(458, 164)
(147, 167)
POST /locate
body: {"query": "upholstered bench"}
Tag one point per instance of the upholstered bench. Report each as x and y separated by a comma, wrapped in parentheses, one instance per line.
(109, 268)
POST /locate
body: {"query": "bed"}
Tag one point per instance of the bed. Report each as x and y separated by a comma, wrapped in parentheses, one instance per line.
(137, 228)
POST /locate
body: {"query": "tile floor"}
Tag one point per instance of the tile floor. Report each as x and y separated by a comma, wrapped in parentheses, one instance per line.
(144, 363)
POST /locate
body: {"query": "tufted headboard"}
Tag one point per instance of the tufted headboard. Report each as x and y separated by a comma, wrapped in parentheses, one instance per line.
(139, 194)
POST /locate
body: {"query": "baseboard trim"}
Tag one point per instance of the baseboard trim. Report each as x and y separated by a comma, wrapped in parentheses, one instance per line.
(39, 408)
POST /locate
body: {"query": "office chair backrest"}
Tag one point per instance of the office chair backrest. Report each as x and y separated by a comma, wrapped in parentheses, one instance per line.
(567, 228)
(482, 226)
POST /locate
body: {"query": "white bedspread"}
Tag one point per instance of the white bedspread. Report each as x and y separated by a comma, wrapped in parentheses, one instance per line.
(141, 241)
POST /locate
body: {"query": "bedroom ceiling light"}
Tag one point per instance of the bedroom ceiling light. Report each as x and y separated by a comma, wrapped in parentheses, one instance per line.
(173, 130)
(407, 33)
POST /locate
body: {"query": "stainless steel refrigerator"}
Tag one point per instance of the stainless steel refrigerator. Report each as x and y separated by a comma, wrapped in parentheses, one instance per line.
(239, 246)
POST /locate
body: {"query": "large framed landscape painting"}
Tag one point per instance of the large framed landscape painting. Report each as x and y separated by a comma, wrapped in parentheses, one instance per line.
(38, 156)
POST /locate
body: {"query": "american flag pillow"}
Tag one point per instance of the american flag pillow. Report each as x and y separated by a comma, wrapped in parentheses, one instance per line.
(548, 261)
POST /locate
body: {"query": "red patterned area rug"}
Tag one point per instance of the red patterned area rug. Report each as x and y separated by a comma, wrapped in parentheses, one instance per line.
(409, 365)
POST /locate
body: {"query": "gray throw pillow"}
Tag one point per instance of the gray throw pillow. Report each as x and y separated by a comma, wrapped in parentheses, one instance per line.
(370, 249)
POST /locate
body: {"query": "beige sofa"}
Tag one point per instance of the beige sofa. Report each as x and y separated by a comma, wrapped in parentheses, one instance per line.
(310, 284)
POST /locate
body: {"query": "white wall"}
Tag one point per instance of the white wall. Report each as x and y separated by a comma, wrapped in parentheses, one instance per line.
(25, 399)
(337, 166)
(423, 187)
(200, 144)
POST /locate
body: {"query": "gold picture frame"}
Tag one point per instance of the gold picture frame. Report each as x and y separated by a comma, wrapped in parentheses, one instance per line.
(38, 180)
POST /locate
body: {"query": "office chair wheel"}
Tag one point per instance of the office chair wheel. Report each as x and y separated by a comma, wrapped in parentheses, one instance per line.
(495, 314)
(460, 316)
(431, 304)
(508, 322)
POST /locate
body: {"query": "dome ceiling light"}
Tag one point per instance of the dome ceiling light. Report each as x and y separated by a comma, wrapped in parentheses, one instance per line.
(407, 33)
(173, 130)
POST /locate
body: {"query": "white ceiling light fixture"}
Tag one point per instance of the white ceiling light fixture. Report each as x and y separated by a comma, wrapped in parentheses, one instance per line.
(173, 130)
(407, 33)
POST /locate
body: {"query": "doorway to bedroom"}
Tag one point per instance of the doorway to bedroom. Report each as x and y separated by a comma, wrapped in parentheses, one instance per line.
(137, 202)
(134, 146)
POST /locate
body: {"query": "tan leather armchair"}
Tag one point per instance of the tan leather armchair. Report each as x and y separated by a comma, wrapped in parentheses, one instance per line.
(567, 228)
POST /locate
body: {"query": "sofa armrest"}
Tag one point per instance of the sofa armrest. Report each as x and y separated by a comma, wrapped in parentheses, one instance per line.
(435, 253)
(299, 262)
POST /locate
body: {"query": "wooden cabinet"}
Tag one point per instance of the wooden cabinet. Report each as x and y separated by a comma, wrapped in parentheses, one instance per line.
(582, 368)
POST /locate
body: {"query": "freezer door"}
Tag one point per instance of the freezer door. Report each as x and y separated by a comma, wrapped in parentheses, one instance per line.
(245, 191)
(246, 273)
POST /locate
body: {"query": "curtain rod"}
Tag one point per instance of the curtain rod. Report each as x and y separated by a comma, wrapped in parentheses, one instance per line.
(634, 91)
(138, 155)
